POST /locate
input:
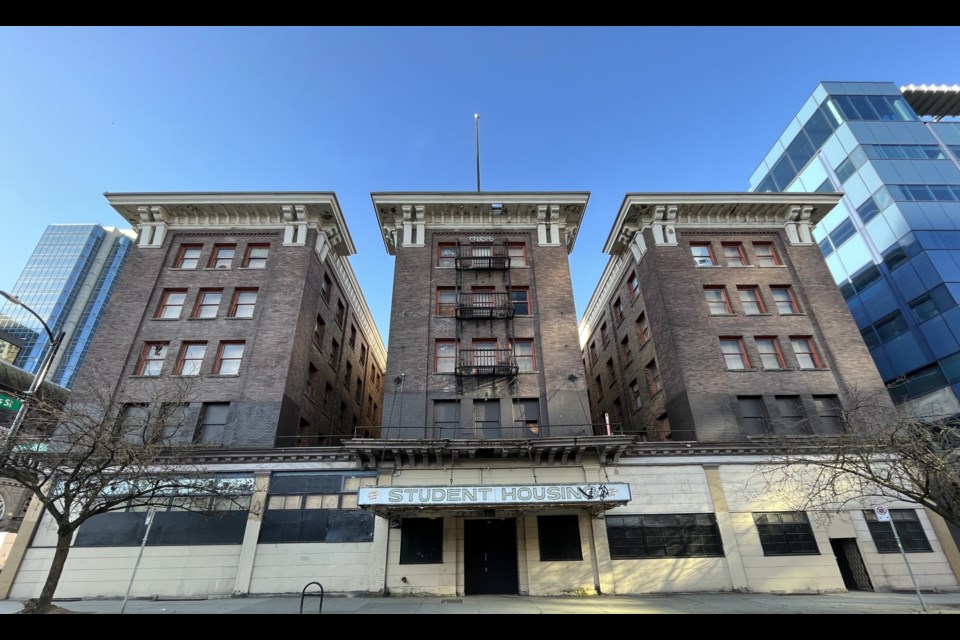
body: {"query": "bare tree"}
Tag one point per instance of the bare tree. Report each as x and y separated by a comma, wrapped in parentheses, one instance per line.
(96, 455)
(882, 453)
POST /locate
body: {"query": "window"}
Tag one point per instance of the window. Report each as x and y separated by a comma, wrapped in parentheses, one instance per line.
(446, 254)
(228, 359)
(559, 538)
(190, 358)
(517, 251)
(604, 336)
(358, 394)
(891, 326)
(341, 312)
(643, 329)
(222, 256)
(446, 418)
(662, 433)
(445, 357)
(753, 414)
(618, 310)
(770, 355)
(370, 407)
(702, 254)
(312, 374)
(151, 359)
(626, 350)
(135, 418)
(326, 287)
(526, 417)
(751, 300)
(347, 375)
(188, 256)
(635, 394)
(784, 301)
(171, 303)
(244, 302)
(363, 354)
(717, 301)
(791, 415)
(593, 352)
(734, 353)
(734, 254)
(611, 372)
(446, 301)
(520, 298)
(766, 254)
(213, 423)
(523, 352)
(806, 354)
(686, 535)
(599, 383)
(486, 419)
(421, 541)
(785, 533)
(909, 530)
(327, 395)
(633, 284)
(334, 352)
(653, 378)
(828, 408)
(208, 303)
(924, 308)
(256, 256)
(353, 336)
(319, 329)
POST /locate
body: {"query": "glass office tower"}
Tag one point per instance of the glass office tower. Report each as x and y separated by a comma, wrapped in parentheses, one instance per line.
(67, 281)
(893, 242)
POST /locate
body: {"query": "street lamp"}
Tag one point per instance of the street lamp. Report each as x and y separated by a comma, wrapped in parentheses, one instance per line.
(38, 378)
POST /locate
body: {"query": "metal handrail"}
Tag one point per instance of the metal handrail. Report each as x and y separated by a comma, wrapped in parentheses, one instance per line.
(304, 594)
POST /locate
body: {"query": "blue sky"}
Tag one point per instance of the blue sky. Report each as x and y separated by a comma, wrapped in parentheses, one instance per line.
(607, 110)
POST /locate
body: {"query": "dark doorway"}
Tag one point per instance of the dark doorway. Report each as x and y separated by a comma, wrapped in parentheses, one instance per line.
(852, 569)
(490, 556)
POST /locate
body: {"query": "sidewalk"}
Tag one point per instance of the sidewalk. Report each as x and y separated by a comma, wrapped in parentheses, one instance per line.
(682, 603)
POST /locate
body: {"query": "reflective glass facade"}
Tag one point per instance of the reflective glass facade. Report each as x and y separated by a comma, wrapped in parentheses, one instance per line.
(893, 242)
(67, 281)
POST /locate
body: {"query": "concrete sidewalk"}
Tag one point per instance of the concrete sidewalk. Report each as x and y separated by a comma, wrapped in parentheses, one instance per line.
(683, 603)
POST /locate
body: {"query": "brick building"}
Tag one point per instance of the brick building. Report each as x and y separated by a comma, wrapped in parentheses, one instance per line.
(250, 299)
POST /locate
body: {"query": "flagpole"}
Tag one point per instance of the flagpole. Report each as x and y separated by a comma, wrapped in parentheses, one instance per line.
(476, 120)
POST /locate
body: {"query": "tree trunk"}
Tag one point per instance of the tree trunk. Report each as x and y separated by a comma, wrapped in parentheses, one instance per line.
(45, 601)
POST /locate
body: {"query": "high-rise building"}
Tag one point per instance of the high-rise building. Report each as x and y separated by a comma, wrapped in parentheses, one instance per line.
(67, 281)
(893, 242)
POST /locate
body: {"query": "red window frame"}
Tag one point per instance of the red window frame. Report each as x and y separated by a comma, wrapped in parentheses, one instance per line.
(165, 303)
(334, 352)
(626, 350)
(341, 312)
(811, 351)
(511, 248)
(216, 258)
(654, 381)
(604, 335)
(526, 297)
(760, 305)
(182, 256)
(593, 352)
(644, 331)
(235, 304)
(182, 357)
(446, 308)
(741, 255)
(791, 300)
(635, 397)
(202, 303)
(710, 255)
(348, 375)
(776, 352)
(326, 287)
(353, 336)
(446, 262)
(771, 256)
(260, 261)
(725, 300)
(319, 331)
(143, 361)
(437, 357)
(618, 310)
(218, 365)
(633, 285)
(523, 357)
(741, 352)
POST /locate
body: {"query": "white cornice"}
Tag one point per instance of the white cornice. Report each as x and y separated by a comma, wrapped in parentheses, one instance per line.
(359, 303)
(609, 281)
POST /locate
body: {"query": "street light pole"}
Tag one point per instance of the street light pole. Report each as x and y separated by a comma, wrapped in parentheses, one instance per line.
(37, 379)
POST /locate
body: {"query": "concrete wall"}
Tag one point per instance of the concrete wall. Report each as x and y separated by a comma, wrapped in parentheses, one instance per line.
(339, 567)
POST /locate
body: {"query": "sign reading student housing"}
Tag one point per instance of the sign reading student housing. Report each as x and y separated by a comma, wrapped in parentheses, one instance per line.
(520, 494)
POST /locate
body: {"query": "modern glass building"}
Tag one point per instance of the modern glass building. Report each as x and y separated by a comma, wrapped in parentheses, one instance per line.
(67, 281)
(893, 242)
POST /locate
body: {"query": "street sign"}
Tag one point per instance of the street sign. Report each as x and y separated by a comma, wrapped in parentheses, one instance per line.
(9, 402)
(883, 514)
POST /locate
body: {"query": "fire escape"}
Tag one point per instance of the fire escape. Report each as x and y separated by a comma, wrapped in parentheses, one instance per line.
(485, 268)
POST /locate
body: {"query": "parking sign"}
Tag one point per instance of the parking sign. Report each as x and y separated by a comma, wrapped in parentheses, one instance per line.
(883, 514)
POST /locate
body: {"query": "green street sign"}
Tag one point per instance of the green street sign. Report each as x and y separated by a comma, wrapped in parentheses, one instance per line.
(9, 402)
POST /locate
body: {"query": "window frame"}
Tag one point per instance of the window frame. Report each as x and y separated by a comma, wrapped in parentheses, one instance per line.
(761, 306)
(143, 362)
(812, 353)
(633, 286)
(723, 294)
(644, 326)
(218, 364)
(555, 537)
(523, 247)
(446, 262)
(235, 303)
(679, 536)
(215, 258)
(165, 303)
(182, 357)
(792, 300)
(326, 287)
(449, 307)
(881, 533)
(742, 351)
(200, 304)
(654, 377)
(741, 254)
(437, 358)
(248, 256)
(526, 300)
(518, 358)
(181, 256)
(792, 532)
(777, 352)
(773, 257)
(711, 256)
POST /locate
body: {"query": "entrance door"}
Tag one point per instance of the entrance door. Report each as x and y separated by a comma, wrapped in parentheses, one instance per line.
(490, 556)
(852, 569)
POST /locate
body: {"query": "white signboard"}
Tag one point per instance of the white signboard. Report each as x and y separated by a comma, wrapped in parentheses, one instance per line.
(494, 494)
(883, 514)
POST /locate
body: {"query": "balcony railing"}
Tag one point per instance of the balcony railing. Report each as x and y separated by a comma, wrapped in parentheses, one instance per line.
(483, 306)
(483, 257)
(486, 362)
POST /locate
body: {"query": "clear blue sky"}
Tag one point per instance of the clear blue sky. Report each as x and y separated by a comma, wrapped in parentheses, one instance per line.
(607, 110)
